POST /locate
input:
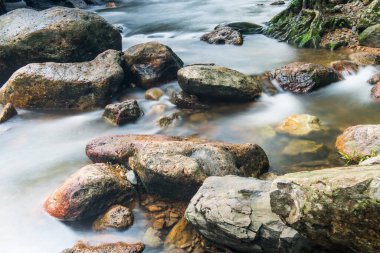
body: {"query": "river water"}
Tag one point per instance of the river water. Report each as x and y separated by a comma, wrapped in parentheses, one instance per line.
(39, 150)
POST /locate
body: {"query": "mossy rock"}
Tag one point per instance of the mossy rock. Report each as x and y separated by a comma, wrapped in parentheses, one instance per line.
(370, 37)
(370, 15)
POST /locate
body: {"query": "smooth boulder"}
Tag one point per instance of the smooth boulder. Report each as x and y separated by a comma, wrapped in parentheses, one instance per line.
(57, 34)
(301, 77)
(236, 212)
(151, 64)
(218, 83)
(175, 167)
(118, 247)
(359, 142)
(337, 208)
(370, 37)
(89, 192)
(51, 85)
(223, 35)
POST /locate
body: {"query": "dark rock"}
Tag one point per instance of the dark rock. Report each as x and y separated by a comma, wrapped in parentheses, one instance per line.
(300, 77)
(65, 85)
(57, 34)
(370, 37)
(374, 79)
(152, 64)
(236, 212)
(336, 208)
(89, 192)
(243, 27)
(364, 58)
(7, 112)
(345, 67)
(122, 113)
(2, 7)
(223, 35)
(218, 83)
(175, 167)
(185, 101)
(117, 217)
(119, 247)
(278, 3)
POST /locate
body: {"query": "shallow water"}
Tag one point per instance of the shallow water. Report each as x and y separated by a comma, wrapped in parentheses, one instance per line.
(39, 150)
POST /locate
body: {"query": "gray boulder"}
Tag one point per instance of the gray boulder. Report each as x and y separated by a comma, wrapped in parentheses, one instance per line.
(65, 85)
(58, 34)
(176, 167)
(236, 212)
(218, 83)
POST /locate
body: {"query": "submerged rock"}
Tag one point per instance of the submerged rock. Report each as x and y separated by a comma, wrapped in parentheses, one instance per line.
(152, 64)
(65, 85)
(223, 35)
(89, 192)
(364, 58)
(359, 142)
(218, 83)
(7, 112)
(236, 212)
(153, 94)
(152, 238)
(300, 125)
(374, 79)
(301, 150)
(242, 27)
(301, 77)
(370, 37)
(58, 34)
(119, 247)
(175, 167)
(345, 67)
(337, 208)
(122, 113)
(117, 217)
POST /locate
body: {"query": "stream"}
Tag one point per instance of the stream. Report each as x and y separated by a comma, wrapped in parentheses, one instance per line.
(39, 150)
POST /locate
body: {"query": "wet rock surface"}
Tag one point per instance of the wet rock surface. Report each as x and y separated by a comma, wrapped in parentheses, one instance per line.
(117, 217)
(186, 101)
(223, 35)
(242, 27)
(152, 64)
(118, 247)
(375, 92)
(336, 208)
(7, 112)
(175, 167)
(375, 79)
(236, 212)
(122, 113)
(365, 58)
(301, 77)
(345, 67)
(304, 150)
(89, 192)
(58, 34)
(300, 125)
(218, 83)
(65, 85)
(153, 94)
(370, 37)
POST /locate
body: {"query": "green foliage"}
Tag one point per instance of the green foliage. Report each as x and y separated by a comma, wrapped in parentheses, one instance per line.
(356, 157)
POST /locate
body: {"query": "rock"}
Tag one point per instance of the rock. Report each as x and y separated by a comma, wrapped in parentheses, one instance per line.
(218, 83)
(364, 58)
(300, 125)
(152, 64)
(153, 94)
(223, 35)
(89, 192)
(370, 37)
(3, 9)
(359, 142)
(374, 79)
(375, 92)
(242, 27)
(45, 4)
(370, 161)
(169, 120)
(58, 34)
(175, 167)
(278, 3)
(300, 150)
(182, 235)
(65, 85)
(345, 67)
(122, 113)
(131, 177)
(266, 84)
(236, 212)
(185, 101)
(119, 247)
(301, 77)
(117, 217)
(152, 238)
(336, 208)
(370, 15)
(7, 112)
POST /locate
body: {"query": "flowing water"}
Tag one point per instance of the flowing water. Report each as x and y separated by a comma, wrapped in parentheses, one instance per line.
(39, 150)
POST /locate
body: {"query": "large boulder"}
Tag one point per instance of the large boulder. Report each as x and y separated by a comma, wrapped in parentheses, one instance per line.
(176, 167)
(359, 142)
(337, 208)
(89, 192)
(65, 85)
(58, 34)
(152, 64)
(370, 37)
(218, 83)
(223, 35)
(236, 212)
(301, 77)
(118, 247)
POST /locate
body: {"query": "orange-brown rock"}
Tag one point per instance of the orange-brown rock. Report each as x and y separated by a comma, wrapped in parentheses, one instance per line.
(117, 217)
